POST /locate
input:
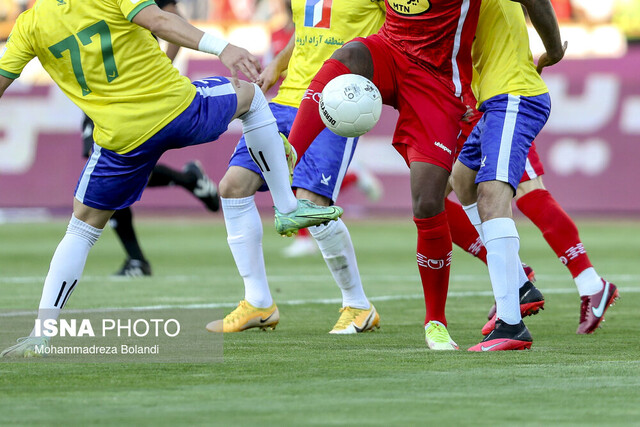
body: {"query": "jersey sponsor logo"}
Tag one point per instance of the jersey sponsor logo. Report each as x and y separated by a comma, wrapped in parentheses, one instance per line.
(317, 13)
(61, 2)
(410, 7)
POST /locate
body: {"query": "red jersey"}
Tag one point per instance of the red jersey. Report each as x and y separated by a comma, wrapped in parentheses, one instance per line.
(436, 34)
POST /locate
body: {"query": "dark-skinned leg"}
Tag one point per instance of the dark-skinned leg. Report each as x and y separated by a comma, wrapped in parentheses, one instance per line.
(428, 183)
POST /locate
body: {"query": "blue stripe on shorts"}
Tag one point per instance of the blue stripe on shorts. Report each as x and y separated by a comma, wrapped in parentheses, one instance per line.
(499, 144)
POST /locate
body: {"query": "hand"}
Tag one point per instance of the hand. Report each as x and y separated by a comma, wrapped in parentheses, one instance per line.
(547, 60)
(239, 59)
(268, 77)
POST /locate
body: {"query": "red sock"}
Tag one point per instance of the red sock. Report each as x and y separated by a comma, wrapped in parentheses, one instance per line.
(308, 124)
(557, 228)
(434, 261)
(463, 233)
(349, 179)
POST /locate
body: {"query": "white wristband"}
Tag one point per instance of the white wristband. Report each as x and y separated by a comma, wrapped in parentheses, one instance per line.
(212, 44)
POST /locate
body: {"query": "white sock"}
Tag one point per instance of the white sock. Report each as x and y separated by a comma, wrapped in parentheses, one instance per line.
(244, 235)
(522, 276)
(502, 243)
(66, 267)
(266, 148)
(588, 282)
(337, 249)
(474, 217)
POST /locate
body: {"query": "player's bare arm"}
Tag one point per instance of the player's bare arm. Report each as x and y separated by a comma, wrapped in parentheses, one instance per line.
(172, 49)
(4, 84)
(545, 22)
(176, 30)
(280, 63)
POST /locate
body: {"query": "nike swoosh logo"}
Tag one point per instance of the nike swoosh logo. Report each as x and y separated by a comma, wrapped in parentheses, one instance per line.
(603, 302)
(483, 348)
(364, 325)
(264, 320)
(318, 215)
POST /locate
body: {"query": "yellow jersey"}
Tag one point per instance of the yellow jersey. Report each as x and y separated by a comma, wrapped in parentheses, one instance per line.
(502, 59)
(322, 26)
(108, 66)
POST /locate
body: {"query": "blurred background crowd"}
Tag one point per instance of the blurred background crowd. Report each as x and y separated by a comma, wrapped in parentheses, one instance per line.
(623, 14)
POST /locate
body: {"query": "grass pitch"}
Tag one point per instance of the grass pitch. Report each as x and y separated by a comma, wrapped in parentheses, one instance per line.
(299, 374)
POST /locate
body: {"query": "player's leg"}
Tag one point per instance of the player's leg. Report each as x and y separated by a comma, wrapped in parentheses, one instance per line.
(136, 264)
(244, 236)
(428, 147)
(354, 57)
(531, 299)
(434, 248)
(561, 233)
(366, 182)
(319, 177)
(97, 196)
(192, 178)
(508, 127)
(265, 145)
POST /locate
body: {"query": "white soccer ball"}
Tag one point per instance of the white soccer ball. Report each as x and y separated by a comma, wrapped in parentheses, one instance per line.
(350, 105)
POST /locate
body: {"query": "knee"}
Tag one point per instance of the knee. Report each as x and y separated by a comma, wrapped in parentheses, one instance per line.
(356, 57)
(427, 207)
(238, 185)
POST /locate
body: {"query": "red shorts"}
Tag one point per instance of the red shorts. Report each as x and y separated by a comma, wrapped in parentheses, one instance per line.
(533, 167)
(429, 121)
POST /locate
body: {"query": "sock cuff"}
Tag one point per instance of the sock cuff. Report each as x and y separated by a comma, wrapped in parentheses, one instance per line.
(330, 70)
(532, 199)
(499, 228)
(472, 213)
(254, 119)
(433, 227)
(321, 231)
(232, 208)
(83, 230)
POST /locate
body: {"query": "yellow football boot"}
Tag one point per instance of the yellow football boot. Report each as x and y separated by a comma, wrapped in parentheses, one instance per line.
(355, 320)
(246, 316)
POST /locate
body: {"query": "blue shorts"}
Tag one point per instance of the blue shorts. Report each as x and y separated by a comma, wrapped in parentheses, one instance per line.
(322, 167)
(112, 181)
(498, 145)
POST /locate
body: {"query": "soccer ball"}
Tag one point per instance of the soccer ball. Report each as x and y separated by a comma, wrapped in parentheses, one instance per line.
(350, 105)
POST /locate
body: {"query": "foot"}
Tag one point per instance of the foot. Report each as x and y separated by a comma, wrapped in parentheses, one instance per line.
(531, 275)
(27, 347)
(355, 320)
(505, 337)
(301, 246)
(531, 302)
(437, 337)
(134, 268)
(245, 316)
(205, 189)
(594, 306)
(292, 156)
(306, 215)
